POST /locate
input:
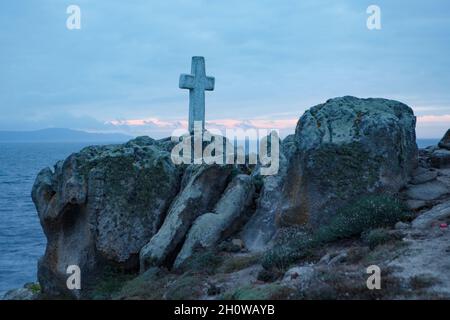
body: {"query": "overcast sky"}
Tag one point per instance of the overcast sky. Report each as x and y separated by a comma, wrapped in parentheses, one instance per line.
(271, 59)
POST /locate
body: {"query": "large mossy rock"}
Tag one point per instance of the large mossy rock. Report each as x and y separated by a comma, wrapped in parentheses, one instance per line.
(102, 205)
(346, 148)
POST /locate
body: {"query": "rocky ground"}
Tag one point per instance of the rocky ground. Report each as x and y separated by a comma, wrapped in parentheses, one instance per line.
(352, 191)
(413, 257)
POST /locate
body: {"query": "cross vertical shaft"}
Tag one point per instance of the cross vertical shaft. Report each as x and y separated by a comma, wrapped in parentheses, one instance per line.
(197, 82)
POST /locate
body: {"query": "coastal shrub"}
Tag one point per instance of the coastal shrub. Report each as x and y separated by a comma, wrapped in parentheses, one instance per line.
(229, 246)
(149, 285)
(157, 284)
(369, 212)
(373, 211)
(269, 275)
(291, 244)
(109, 283)
(203, 261)
(345, 282)
(376, 237)
(423, 281)
(356, 254)
(213, 289)
(260, 292)
(186, 287)
(35, 288)
(282, 256)
(236, 263)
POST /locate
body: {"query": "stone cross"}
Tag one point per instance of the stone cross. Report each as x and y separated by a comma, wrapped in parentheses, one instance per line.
(197, 82)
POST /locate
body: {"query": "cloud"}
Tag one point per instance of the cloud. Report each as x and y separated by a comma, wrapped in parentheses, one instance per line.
(145, 122)
(152, 126)
(226, 123)
(266, 56)
(432, 119)
(432, 126)
(257, 123)
(158, 127)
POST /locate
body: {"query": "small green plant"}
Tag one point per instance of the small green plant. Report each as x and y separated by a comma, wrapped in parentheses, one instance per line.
(376, 237)
(422, 281)
(282, 256)
(35, 288)
(150, 285)
(261, 292)
(203, 261)
(345, 283)
(228, 246)
(213, 290)
(187, 286)
(269, 275)
(109, 283)
(237, 263)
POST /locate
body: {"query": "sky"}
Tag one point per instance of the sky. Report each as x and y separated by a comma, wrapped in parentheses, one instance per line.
(271, 59)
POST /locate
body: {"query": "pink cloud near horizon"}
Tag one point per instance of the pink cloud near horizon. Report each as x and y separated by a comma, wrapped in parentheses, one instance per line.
(227, 123)
(439, 123)
(445, 118)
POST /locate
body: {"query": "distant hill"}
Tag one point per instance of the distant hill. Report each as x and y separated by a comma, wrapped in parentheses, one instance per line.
(423, 143)
(61, 135)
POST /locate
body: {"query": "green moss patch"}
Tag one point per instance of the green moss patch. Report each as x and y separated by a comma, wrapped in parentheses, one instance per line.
(260, 292)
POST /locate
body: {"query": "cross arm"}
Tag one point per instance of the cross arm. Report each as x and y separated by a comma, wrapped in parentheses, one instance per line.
(209, 84)
(186, 81)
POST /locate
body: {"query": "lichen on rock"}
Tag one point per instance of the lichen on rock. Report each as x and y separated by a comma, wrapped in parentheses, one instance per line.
(101, 206)
(347, 147)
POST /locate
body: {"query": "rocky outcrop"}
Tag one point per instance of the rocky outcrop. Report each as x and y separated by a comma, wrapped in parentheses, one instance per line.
(30, 291)
(440, 158)
(342, 149)
(261, 227)
(229, 213)
(430, 182)
(131, 206)
(422, 175)
(445, 141)
(347, 147)
(427, 191)
(204, 186)
(439, 212)
(102, 205)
